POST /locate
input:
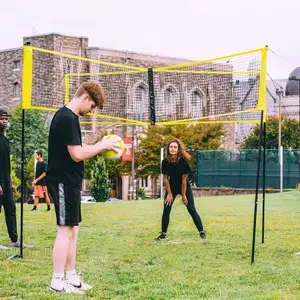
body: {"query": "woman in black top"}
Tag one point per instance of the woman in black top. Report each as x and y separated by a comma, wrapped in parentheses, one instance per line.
(175, 168)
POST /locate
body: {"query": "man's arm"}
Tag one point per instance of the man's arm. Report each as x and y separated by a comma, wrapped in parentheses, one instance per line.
(39, 178)
(80, 153)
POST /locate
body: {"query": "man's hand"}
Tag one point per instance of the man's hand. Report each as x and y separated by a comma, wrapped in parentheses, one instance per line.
(109, 143)
(14, 190)
(1, 191)
(169, 199)
(184, 200)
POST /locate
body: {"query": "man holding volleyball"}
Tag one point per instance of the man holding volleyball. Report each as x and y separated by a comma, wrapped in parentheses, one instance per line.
(66, 156)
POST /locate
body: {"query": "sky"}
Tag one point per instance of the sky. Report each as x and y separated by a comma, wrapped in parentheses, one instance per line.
(191, 29)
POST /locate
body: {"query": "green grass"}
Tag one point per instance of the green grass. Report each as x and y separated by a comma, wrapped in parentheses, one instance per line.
(117, 253)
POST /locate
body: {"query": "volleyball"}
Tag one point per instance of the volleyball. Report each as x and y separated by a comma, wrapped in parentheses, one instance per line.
(112, 154)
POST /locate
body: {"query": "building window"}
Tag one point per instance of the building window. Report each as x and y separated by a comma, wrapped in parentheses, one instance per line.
(170, 101)
(144, 182)
(17, 90)
(139, 103)
(17, 64)
(196, 104)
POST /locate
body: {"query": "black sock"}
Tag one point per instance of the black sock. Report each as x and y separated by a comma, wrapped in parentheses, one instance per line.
(34, 207)
(48, 207)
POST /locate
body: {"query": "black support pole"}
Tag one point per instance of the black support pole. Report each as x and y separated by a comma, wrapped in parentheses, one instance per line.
(151, 96)
(264, 187)
(257, 185)
(22, 182)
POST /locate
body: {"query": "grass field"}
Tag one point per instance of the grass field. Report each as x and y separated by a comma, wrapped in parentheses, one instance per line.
(117, 253)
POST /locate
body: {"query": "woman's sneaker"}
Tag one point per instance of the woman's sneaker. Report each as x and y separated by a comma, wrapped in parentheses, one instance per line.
(162, 237)
(203, 235)
(76, 281)
(61, 285)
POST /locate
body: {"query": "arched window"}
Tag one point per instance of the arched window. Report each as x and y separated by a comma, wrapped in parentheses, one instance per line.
(17, 90)
(196, 103)
(170, 96)
(139, 102)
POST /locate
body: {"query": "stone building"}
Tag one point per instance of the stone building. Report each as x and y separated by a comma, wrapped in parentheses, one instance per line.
(176, 95)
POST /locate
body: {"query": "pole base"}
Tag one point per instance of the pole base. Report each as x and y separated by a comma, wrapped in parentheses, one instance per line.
(14, 256)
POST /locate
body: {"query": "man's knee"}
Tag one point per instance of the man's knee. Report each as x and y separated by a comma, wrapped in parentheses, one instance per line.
(65, 231)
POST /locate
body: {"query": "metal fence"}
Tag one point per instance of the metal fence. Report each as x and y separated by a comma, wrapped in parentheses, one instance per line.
(238, 169)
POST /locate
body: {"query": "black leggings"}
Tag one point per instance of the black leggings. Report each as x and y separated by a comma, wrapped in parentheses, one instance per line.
(9, 206)
(190, 207)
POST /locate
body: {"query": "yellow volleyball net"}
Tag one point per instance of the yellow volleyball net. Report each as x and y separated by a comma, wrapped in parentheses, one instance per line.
(227, 89)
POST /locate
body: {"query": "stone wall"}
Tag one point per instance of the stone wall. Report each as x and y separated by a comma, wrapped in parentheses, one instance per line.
(10, 78)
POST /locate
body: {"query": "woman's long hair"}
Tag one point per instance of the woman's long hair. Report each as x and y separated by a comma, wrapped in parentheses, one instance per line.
(181, 150)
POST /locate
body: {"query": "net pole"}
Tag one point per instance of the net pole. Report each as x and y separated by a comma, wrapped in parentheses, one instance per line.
(264, 187)
(151, 96)
(257, 185)
(22, 182)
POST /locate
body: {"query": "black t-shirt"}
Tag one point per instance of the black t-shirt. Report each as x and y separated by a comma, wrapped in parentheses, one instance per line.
(64, 131)
(41, 167)
(4, 160)
(175, 170)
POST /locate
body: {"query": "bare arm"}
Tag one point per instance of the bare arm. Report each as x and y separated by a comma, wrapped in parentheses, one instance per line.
(183, 184)
(183, 188)
(39, 178)
(167, 184)
(169, 198)
(79, 153)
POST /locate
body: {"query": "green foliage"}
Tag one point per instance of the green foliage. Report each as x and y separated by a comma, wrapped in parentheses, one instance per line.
(36, 133)
(141, 193)
(99, 183)
(36, 138)
(290, 134)
(15, 180)
(29, 171)
(195, 137)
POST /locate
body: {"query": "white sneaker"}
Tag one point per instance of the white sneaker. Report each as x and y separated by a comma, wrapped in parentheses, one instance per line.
(61, 285)
(76, 281)
(4, 247)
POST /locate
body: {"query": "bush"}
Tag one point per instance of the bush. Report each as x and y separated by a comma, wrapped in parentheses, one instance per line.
(141, 193)
(99, 183)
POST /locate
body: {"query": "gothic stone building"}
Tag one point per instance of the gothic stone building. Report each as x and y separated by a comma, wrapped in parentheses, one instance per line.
(174, 94)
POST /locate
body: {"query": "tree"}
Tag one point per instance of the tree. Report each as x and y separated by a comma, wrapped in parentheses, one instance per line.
(16, 181)
(36, 133)
(36, 138)
(195, 137)
(290, 134)
(99, 183)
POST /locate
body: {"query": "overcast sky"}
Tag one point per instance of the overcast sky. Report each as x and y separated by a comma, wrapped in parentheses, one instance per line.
(192, 29)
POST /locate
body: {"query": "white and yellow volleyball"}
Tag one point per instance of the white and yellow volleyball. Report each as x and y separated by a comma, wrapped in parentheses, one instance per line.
(112, 154)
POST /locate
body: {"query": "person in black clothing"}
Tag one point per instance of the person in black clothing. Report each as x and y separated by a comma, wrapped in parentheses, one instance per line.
(39, 183)
(175, 168)
(66, 156)
(7, 189)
